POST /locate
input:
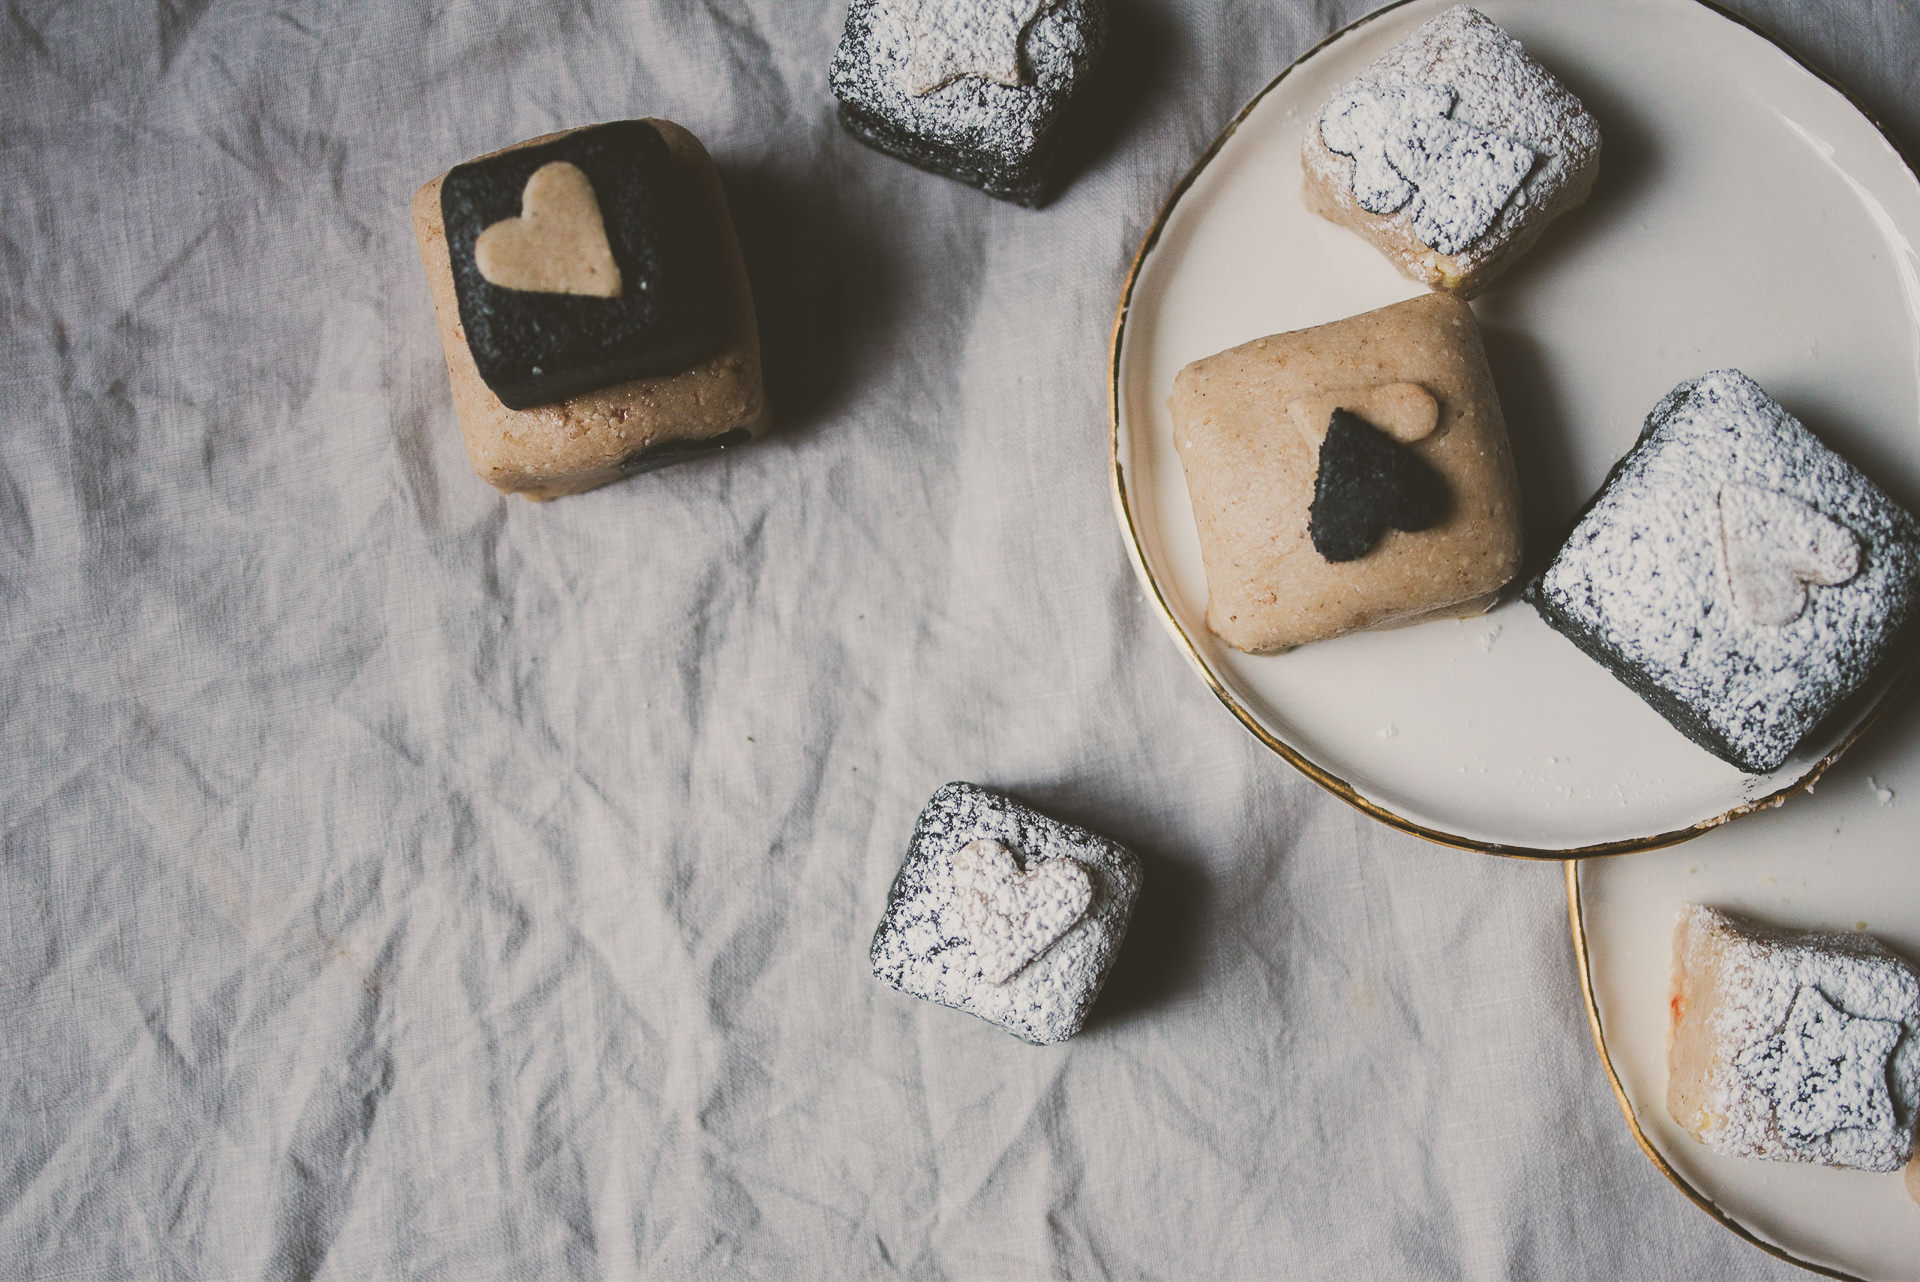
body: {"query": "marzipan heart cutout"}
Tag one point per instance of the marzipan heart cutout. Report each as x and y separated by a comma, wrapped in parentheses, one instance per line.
(1773, 546)
(558, 244)
(1012, 916)
(1405, 411)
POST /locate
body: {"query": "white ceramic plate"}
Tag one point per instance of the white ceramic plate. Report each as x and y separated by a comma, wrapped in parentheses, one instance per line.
(1746, 214)
(1845, 857)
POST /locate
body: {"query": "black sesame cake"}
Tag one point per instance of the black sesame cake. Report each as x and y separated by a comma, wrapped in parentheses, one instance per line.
(593, 306)
(1736, 573)
(1005, 913)
(549, 308)
(973, 89)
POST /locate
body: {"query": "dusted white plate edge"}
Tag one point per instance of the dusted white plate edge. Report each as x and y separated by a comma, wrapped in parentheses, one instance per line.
(1760, 793)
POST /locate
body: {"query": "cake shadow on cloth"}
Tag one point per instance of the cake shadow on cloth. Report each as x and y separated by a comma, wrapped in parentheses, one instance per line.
(1159, 960)
(1133, 67)
(819, 284)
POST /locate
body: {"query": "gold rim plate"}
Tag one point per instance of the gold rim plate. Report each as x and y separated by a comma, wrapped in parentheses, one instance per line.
(1603, 246)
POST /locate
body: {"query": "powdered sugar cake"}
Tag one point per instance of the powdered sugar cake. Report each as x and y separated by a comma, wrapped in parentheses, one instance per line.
(1451, 152)
(977, 90)
(1793, 1047)
(1736, 573)
(1005, 913)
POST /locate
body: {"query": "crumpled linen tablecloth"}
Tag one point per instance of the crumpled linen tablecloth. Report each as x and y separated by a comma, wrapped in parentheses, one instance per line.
(403, 880)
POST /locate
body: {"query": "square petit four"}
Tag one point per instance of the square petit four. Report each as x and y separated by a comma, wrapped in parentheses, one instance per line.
(1005, 913)
(1793, 1047)
(973, 89)
(593, 306)
(1352, 475)
(1735, 573)
(1451, 152)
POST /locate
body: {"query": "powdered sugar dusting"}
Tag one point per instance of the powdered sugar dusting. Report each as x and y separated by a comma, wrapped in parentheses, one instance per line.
(1404, 147)
(1825, 1071)
(927, 947)
(1773, 546)
(1815, 1044)
(985, 130)
(1641, 583)
(1359, 123)
(1499, 90)
(1009, 915)
(954, 40)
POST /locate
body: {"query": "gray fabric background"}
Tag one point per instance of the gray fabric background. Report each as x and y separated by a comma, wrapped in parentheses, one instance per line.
(399, 879)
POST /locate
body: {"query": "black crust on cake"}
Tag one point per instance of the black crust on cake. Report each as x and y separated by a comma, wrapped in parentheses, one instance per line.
(1009, 142)
(1678, 713)
(1029, 183)
(672, 312)
(1746, 692)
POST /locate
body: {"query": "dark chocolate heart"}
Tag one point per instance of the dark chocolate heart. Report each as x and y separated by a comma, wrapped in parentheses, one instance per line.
(1367, 482)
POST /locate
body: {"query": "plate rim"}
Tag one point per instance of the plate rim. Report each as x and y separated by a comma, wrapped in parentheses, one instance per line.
(1582, 964)
(1342, 788)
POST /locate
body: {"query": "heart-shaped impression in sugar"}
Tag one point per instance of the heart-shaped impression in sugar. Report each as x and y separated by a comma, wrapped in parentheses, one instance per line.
(1012, 915)
(1774, 546)
(558, 244)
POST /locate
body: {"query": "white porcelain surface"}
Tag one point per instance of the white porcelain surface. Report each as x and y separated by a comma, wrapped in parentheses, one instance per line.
(1746, 215)
(1846, 857)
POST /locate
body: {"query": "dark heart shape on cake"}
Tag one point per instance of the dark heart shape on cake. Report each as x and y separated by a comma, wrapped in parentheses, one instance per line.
(1368, 481)
(1012, 915)
(1773, 546)
(1405, 145)
(558, 244)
